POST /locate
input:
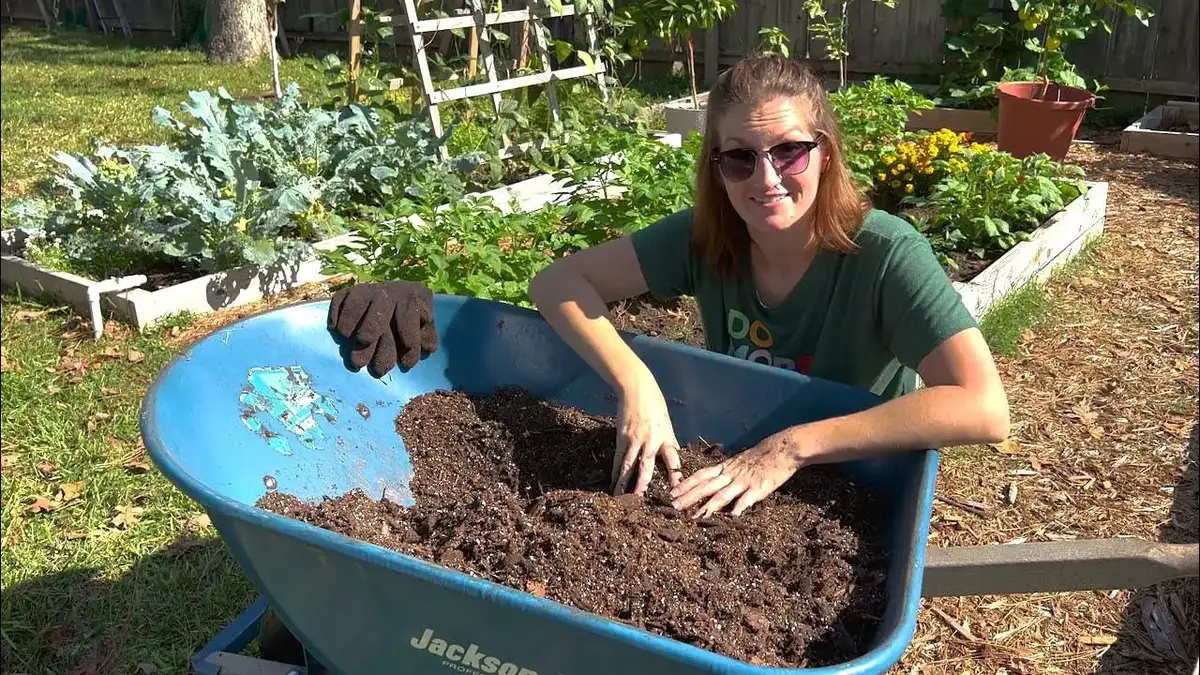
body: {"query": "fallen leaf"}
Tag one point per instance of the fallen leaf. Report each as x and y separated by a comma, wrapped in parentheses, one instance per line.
(1088, 282)
(126, 517)
(71, 364)
(1035, 464)
(69, 492)
(93, 422)
(198, 522)
(135, 356)
(1027, 335)
(536, 588)
(9, 461)
(1097, 640)
(1180, 430)
(146, 669)
(1008, 447)
(53, 389)
(110, 353)
(73, 536)
(109, 391)
(1096, 432)
(1085, 414)
(47, 469)
(5, 364)
(137, 465)
(40, 504)
(1011, 493)
(23, 315)
(175, 331)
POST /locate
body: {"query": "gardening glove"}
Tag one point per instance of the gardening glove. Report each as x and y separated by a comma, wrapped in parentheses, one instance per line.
(388, 323)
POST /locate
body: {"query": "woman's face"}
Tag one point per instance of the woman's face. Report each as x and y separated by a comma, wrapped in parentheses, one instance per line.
(771, 199)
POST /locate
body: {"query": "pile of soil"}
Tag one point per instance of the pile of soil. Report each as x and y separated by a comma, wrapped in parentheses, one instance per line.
(513, 489)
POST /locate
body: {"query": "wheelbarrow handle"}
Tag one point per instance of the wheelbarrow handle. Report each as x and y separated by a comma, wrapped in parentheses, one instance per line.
(1056, 566)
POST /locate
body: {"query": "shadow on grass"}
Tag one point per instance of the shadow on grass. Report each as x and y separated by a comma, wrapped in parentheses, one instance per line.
(164, 607)
(1159, 630)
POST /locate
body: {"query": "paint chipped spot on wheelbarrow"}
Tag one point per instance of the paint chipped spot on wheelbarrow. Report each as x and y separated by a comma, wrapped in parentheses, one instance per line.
(284, 394)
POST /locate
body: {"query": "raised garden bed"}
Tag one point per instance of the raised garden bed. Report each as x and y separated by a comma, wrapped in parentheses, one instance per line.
(121, 298)
(979, 123)
(1049, 246)
(1169, 130)
(142, 302)
(515, 490)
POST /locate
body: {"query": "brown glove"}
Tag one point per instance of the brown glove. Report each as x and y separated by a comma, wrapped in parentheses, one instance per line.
(387, 322)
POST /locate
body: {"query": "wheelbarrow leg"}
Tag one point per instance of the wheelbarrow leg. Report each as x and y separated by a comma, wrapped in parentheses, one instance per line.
(276, 642)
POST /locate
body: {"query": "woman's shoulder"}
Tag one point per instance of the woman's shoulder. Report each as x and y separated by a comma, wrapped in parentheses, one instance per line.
(884, 230)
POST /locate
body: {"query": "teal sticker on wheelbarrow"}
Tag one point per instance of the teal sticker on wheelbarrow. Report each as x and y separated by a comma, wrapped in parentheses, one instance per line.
(287, 396)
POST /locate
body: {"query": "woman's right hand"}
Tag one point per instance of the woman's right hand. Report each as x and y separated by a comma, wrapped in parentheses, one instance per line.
(644, 434)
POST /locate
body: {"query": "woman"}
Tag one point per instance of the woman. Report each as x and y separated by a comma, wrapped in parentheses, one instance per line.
(789, 265)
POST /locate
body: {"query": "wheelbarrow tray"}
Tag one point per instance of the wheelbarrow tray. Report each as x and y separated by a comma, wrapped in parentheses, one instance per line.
(268, 403)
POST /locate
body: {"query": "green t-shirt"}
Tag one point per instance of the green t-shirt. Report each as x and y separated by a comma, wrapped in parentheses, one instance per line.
(866, 318)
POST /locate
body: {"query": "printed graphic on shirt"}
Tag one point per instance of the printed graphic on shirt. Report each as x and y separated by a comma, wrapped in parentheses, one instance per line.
(752, 340)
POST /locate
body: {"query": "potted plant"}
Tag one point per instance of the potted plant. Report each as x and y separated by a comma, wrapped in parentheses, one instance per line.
(1040, 112)
(672, 20)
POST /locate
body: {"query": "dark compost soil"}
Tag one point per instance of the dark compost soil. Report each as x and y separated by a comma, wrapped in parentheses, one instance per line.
(515, 490)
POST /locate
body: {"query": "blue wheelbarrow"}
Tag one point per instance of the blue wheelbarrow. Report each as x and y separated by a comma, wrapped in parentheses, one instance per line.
(268, 404)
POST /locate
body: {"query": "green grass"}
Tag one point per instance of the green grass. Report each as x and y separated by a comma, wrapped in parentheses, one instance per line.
(62, 89)
(1029, 305)
(77, 588)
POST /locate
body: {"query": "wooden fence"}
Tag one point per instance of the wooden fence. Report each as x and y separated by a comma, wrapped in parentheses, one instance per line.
(1160, 59)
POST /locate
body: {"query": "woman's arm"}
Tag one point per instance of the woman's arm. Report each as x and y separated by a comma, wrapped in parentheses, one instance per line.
(572, 294)
(962, 402)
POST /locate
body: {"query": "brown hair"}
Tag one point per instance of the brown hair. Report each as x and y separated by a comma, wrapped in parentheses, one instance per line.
(840, 205)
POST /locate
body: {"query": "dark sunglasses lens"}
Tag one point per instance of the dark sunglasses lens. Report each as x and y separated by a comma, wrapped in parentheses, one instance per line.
(790, 157)
(737, 165)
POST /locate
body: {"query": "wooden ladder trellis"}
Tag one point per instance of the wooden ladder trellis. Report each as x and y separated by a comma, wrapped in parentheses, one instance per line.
(106, 20)
(534, 13)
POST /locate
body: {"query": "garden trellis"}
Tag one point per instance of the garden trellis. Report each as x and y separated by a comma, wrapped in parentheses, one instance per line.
(474, 15)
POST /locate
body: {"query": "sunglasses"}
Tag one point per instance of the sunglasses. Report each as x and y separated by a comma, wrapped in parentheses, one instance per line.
(789, 158)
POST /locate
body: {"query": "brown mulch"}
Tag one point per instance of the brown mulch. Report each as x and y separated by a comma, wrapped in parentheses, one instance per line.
(1104, 402)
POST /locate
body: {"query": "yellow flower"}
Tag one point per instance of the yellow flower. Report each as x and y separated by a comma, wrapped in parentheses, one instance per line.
(900, 167)
(908, 187)
(928, 170)
(989, 173)
(882, 177)
(889, 159)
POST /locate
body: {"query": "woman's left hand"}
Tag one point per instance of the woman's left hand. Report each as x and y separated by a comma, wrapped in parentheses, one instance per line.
(748, 477)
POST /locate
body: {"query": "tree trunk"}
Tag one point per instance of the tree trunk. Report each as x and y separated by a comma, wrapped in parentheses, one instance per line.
(240, 33)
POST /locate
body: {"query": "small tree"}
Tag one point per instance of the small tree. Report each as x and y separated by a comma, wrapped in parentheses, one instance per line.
(240, 32)
(672, 20)
(832, 30)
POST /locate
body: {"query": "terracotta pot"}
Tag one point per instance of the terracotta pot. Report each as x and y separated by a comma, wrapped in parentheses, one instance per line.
(1031, 123)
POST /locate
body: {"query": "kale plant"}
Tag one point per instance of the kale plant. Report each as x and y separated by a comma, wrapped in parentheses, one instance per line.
(240, 184)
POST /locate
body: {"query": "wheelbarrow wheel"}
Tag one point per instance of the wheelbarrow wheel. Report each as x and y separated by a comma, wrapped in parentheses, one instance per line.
(276, 642)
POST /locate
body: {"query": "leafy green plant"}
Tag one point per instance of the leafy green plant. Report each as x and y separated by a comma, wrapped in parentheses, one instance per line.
(988, 201)
(832, 30)
(673, 20)
(871, 117)
(773, 40)
(981, 41)
(242, 183)
(1061, 21)
(471, 247)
